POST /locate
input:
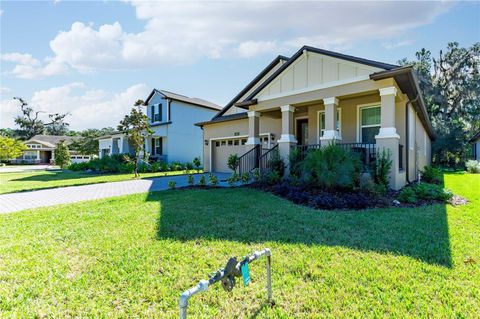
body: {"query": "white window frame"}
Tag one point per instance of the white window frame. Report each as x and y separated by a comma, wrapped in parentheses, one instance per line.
(361, 107)
(339, 129)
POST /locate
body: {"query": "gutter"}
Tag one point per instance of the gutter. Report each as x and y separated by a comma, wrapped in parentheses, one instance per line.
(407, 136)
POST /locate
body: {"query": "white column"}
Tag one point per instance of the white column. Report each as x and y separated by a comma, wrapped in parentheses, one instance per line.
(387, 122)
(253, 128)
(330, 134)
(287, 125)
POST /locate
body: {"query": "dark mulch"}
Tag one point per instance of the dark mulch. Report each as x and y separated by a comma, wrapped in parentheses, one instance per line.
(336, 199)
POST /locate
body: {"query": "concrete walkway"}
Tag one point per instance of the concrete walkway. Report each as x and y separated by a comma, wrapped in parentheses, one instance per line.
(64, 195)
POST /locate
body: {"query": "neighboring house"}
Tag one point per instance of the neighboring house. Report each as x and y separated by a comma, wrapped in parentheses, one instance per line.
(41, 150)
(318, 97)
(172, 118)
(475, 141)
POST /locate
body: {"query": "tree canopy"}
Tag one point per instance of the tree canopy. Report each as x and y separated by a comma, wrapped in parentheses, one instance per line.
(10, 148)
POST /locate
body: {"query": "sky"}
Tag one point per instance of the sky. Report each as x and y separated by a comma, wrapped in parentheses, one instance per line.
(93, 59)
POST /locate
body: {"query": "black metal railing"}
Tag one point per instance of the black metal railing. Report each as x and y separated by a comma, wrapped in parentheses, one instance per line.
(265, 159)
(400, 157)
(304, 149)
(250, 160)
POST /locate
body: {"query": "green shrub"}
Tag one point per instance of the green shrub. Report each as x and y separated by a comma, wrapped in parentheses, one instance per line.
(245, 177)
(213, 179)
(191, 181)
(256, 175)
(143, 167)
(295, 160)
(155, 167)
(176, 166)
(273, 177)
(276, 163)
(233, 162)
(408, 195)
(197, 163)
(172, 184)
(431, 174)
(331, 167)
(473, 166)
(164, 167)
(202, 181)
(233, 179)
(382, 167)
(188, 167)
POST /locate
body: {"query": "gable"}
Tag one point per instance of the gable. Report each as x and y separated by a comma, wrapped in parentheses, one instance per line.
(313, 70)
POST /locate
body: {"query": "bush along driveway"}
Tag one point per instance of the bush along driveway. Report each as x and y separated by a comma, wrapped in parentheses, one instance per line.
(48, 197)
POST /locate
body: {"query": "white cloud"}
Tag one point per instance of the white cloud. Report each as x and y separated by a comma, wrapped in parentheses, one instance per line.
(4, 89)
(88, 108)
(398, 44)
(28, 67)
(182, 32)
(21, 58)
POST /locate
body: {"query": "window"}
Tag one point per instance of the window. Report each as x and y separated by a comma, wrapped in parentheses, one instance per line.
(369, 123)
(158, 146)
(30, 155)
(217, 144)
(230, 142)
(244, 141)
(321, 121)
(156, 113)
(224, 143)
(235, 142)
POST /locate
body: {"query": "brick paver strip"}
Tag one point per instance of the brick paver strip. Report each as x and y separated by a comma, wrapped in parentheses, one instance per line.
(64, 195)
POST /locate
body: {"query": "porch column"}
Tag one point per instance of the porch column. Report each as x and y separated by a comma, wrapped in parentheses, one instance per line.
(330, 134)
(287, 139)
(253, 129)
(387, 138)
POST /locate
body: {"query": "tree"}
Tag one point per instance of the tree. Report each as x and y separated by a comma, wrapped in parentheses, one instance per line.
(233, 162)
(10, 148)
(136, 127)
(62, 154)
(30, 124)
(87, 143)
(451, 87)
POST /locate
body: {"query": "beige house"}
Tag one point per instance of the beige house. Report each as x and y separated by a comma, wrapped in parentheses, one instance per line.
(317, 97)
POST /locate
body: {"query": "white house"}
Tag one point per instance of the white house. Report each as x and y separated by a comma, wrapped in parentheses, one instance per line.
(172, 118)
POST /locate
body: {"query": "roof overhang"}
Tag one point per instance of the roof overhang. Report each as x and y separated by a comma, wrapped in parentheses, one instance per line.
(407, 81)
(225, 118)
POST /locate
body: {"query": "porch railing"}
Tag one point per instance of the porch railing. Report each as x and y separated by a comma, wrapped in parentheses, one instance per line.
(265, 159)
(250, 160)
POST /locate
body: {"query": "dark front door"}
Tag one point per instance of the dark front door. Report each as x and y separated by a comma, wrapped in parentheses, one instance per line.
(302, 131)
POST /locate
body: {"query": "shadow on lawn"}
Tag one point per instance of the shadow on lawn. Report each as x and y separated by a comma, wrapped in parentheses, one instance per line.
(251, 216)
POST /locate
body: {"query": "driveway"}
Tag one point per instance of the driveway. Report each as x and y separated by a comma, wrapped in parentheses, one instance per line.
(25, 168)
(64, 195)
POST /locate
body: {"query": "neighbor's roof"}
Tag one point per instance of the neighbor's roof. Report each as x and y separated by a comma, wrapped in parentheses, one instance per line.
(109, 135)
(51, 140)
(224, 118)
(183, 98)
(475, 137)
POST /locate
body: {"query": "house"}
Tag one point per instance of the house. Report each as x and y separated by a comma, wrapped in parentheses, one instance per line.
(317, 97)
(172, 118)
(475, 142)
(41, 150)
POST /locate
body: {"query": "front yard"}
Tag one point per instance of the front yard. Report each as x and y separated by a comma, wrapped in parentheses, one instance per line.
(132, 256)
(32, 180)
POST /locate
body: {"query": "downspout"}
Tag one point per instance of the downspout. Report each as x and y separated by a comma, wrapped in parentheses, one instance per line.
(407, 137)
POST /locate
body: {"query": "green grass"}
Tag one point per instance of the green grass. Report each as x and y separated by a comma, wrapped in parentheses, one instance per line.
(132, 256)
(32, 180)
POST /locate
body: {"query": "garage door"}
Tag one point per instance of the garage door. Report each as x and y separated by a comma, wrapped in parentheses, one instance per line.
(221, 149)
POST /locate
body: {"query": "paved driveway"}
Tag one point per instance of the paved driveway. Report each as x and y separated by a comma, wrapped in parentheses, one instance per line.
(72, 194)
(25, 168)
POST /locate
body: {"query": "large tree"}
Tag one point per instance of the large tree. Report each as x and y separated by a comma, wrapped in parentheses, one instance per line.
(10, 148)
(451, 87)
(136, 127)
(30, 124)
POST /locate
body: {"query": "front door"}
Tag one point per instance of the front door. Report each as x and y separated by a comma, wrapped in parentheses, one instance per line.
(302, 131)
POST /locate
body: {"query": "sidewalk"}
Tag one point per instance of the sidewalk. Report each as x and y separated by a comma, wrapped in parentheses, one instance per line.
(64, 195)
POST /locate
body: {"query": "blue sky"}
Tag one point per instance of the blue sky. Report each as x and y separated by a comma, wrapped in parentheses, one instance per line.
(93, 59)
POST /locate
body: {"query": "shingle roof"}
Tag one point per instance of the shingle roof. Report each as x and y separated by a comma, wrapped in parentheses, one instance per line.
(186, 99)
(224, 118)
(51, 140)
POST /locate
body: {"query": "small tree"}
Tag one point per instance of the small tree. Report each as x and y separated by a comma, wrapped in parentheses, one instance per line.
(10, 148)
(197, 163)
(136, 127)
(62, 154)
(233, 162)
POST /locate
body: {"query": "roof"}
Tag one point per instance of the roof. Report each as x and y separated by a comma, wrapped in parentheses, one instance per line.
(182, 98)
(381, 65)
(51, 140)
(475, 137)
(408, 83)
(252, 84)
(224, 118)
(109, 135)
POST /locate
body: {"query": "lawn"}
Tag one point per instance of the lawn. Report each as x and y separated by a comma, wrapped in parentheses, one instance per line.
(132, 256)
(25, 181)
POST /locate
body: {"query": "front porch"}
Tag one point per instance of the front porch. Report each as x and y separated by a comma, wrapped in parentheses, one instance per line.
(364, 123)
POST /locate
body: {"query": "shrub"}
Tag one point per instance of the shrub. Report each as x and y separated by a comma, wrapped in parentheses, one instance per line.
(172, 184)
(473, 166)
(197, 163)
(234, 178)
(256, 175)
(411, 194)
(143, 167)
(382, 167)
(408, 195)
(273, 177)
(202, 182)
(331, 167)
(431, 174)
(188, 166)
(295, 161)
(155, 167)
(245, 177)
(163, 167)
(276, 163)
(213, 179)
(176, 166)
(233, 162)
(191, 181)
